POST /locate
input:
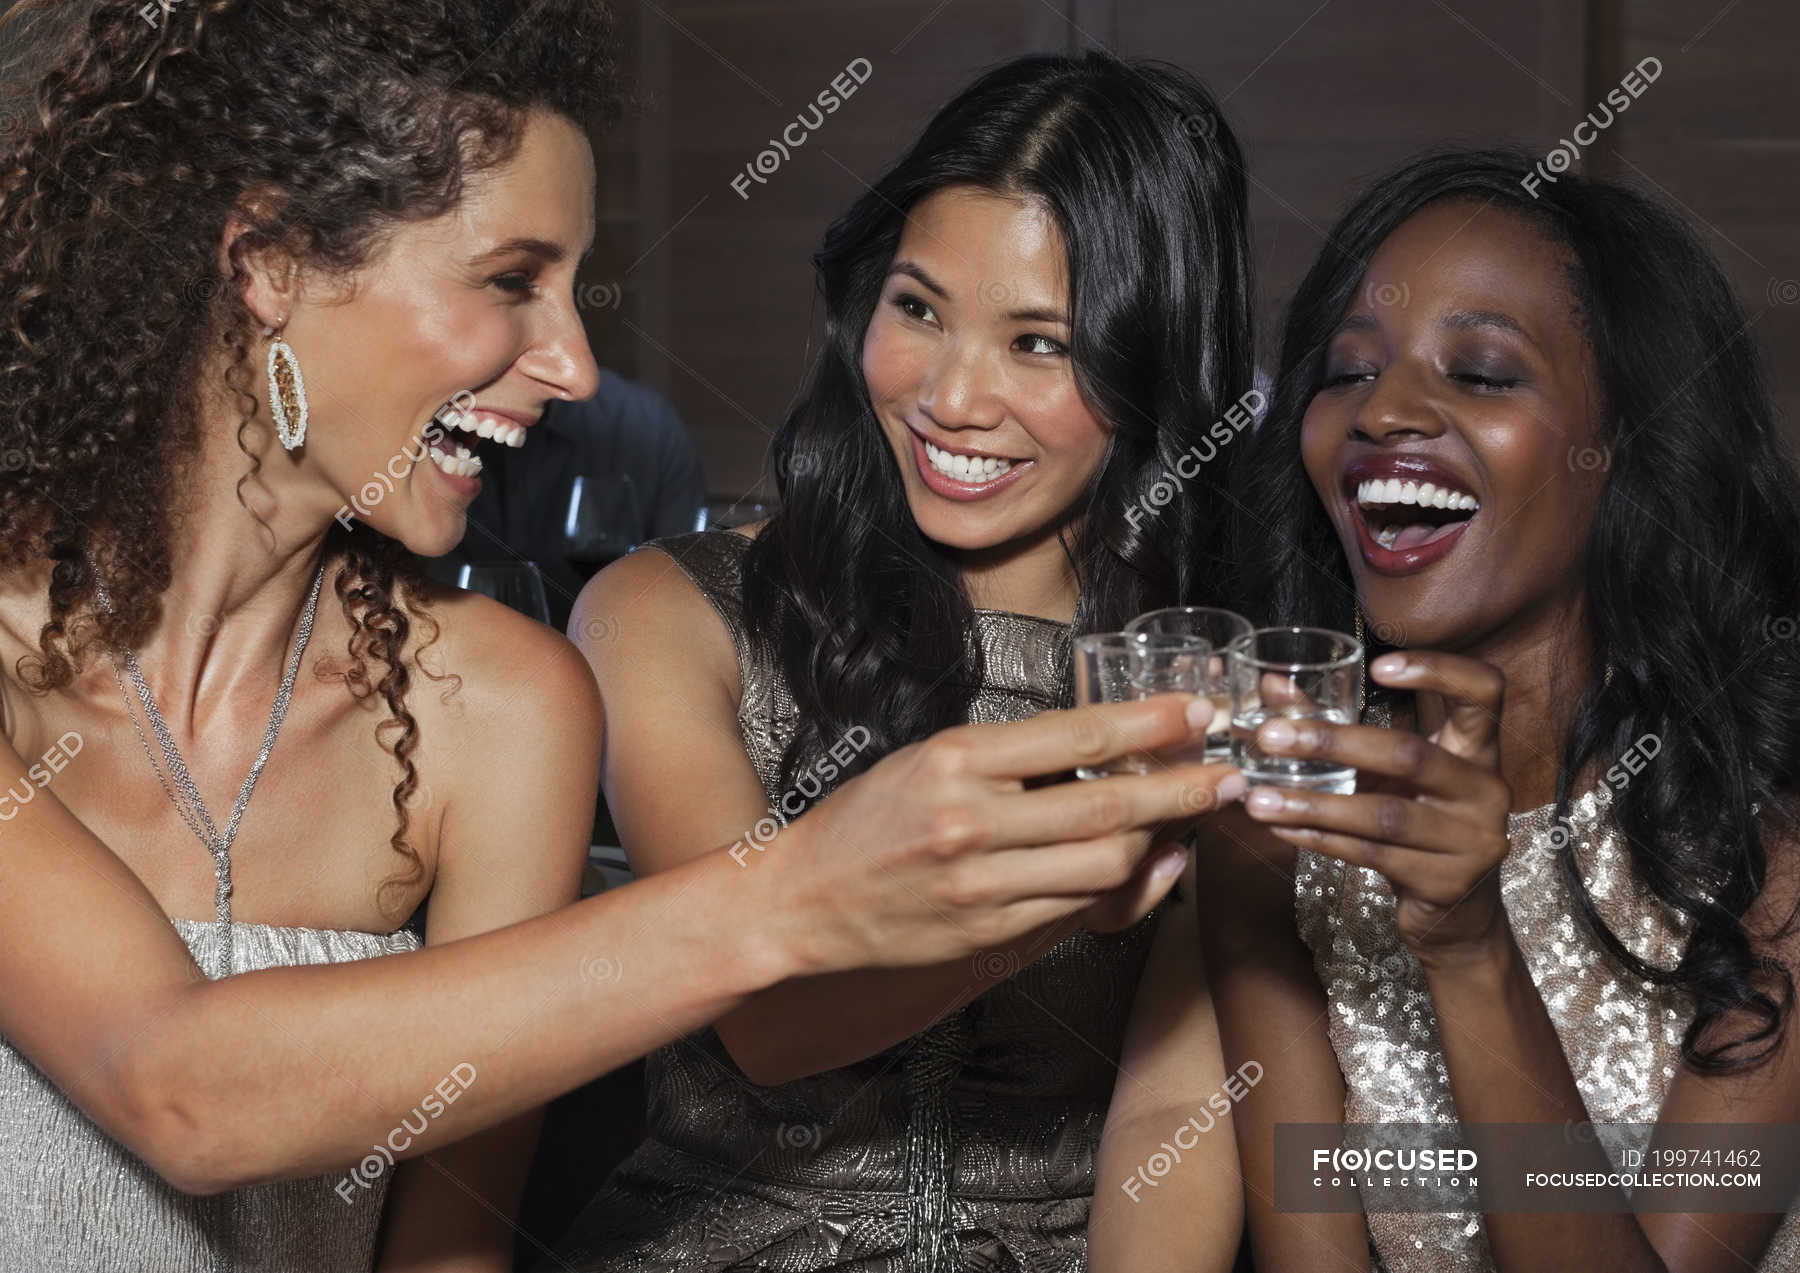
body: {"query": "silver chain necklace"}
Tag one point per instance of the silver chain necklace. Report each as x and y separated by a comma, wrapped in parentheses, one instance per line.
(185, 796)
(179, 786)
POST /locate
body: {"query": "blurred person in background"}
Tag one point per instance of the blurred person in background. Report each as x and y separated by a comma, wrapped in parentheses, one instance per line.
(601, 476)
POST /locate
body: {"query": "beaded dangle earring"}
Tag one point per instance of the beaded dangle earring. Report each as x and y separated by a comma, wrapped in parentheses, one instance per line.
(287, 391)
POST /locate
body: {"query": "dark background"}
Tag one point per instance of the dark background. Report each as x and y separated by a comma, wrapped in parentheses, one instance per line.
(708, 297)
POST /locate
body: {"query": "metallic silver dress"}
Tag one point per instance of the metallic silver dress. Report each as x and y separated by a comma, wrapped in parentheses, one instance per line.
(72, 1200)
(1622, 1035)
(969, 1146)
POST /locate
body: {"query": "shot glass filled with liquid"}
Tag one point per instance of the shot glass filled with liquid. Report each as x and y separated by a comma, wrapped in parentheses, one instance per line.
(1299, 674)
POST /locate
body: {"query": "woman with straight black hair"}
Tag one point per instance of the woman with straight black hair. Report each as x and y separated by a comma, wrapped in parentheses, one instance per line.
(1030, 320)
(1521, 439)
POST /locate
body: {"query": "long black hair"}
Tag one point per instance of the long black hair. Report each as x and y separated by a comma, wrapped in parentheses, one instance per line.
(1692, 561)
(869, 620)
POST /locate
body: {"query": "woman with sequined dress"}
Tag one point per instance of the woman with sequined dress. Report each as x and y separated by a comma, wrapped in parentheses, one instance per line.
(1564, 890)
(1030, 318)
(250, 255)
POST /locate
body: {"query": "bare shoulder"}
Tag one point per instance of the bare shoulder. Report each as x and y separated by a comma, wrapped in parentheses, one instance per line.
(500, 668)
(644, 616)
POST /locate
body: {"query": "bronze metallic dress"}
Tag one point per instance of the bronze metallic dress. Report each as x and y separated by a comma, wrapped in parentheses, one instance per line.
(968, 1146)
(1622, 1035)
(73, 1200)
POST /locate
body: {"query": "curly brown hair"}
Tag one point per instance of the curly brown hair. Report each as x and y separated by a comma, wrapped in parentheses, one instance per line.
(151, 125)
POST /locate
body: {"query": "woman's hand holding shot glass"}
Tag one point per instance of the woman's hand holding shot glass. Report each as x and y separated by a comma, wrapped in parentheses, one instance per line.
(1431, 812)
(963, 818)
(1150, 661)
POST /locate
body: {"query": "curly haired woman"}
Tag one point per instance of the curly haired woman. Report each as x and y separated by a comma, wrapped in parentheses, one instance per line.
(272, 272)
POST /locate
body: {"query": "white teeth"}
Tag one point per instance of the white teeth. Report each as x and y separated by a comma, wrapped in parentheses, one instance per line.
(1393, 491)
(484, 425)
(965, 468)
(463, 464)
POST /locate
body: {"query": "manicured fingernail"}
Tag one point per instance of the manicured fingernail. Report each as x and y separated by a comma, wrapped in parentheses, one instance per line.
(1390, 665)
(1278, 733)
(1170, 865)
(1264, 800)
(1199, 714)
(1232, 788)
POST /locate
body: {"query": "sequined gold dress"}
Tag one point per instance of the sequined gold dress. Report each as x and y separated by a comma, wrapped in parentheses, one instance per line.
(969, 1146)
(1622, 1035)
(73, 1200)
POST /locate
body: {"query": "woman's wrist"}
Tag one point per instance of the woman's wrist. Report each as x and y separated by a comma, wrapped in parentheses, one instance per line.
(790, 936)
(1481, 965)
(737, 919)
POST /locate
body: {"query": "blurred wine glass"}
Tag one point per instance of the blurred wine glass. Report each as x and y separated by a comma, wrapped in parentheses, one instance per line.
(602, 522)
(719, 514)
(519, 584)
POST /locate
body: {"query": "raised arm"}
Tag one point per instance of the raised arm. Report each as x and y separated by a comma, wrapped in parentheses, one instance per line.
(680, 781)
(1168, 1195)
(1272, 1015)
(296, 1071)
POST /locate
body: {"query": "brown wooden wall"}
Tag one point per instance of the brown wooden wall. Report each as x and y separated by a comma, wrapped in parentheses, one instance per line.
(708, 296)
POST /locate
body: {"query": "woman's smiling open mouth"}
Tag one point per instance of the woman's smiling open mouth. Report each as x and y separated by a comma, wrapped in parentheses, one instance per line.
(1408, 511)
(963, 474)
